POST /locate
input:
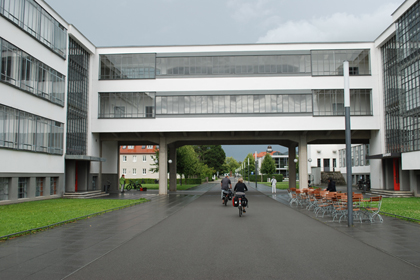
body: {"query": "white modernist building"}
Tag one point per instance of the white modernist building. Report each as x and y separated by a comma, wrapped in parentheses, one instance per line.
(66, 106)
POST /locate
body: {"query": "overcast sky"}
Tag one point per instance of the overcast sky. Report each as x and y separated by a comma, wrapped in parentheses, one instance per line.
(199, 22)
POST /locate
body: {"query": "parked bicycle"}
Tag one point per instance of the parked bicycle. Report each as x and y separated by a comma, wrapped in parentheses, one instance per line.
(133, 185)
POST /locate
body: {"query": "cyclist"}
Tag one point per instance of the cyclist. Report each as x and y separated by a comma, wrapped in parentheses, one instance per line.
(226, 184)
(240, 189)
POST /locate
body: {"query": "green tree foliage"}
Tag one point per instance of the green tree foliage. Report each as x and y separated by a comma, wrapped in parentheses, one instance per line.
(268, 165)
(251, 165)
(187, 162)
(212, 155)
(232, 164)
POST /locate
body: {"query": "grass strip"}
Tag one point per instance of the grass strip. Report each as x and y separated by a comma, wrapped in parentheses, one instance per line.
(279, 185)
(29, 217)
(407, 208)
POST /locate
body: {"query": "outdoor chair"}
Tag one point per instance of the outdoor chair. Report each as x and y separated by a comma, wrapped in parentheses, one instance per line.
(372, 209)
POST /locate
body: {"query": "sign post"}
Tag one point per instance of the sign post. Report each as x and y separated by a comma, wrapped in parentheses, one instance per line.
(348, 143)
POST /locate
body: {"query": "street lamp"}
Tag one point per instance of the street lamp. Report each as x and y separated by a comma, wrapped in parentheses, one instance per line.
(170, 161)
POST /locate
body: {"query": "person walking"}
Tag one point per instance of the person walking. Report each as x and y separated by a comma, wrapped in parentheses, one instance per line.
(331, 185)
(226, 184)
(273, 185)
(122, 183)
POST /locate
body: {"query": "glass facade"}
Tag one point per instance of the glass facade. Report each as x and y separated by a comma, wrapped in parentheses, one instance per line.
(39, 190)
(32, 18)
(401, 58)
(77, 100)
(245, 65)
(127, 66)
(24, 131)
(330, 62)
(358, 156)
(53, 185)
(29, 74)
(127, 105)
(233, 104)
(23, 187)
(4, 188)
(392, 91)
(330, 102)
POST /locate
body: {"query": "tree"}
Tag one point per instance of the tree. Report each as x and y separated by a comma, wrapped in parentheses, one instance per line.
(232, 164)
(268, 166)
(187, 162)
(212, 155)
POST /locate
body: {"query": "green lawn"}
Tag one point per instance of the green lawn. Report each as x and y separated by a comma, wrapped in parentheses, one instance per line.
(28, 215)
(178, 186)
(402, 206)
(279, 185)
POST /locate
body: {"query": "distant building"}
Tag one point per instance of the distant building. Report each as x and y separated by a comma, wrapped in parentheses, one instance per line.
(136, 162)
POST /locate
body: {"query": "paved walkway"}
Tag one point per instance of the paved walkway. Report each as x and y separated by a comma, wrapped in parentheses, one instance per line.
(191, 235)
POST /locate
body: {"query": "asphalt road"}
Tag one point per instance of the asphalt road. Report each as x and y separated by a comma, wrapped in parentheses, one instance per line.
(207, 240)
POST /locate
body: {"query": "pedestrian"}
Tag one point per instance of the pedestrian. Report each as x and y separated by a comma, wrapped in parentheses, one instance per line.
(273, 185)
(225, 185)
(331, 185)
(122, 183)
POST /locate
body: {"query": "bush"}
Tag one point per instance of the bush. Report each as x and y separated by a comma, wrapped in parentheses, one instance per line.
(279, 177)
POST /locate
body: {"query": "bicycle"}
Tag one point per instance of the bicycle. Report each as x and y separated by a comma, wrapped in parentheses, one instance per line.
(227, 195)
(132, 185)
(241, 202)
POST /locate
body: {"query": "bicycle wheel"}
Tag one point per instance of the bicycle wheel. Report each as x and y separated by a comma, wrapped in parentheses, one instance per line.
(240, 211)
(128, 187)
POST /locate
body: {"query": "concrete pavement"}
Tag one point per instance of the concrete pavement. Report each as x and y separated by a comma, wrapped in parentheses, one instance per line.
(190, 235)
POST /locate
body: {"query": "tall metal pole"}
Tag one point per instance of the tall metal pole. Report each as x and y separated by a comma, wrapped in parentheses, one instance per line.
(249, 183)
(256, 162)
(348, 143)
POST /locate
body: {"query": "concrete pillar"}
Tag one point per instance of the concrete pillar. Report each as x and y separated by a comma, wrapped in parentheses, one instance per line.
(163, 166)
(99, 186)
(303, 162)
(292, 166)
(172, 168)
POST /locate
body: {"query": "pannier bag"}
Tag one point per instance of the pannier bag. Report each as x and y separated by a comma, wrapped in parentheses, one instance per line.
(235, 201)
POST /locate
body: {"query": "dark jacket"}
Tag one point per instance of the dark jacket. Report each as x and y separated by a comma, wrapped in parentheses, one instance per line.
(240, 187)
(331, 186)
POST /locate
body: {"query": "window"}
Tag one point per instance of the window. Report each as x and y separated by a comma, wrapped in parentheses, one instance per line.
(330, 62)
(126, 104)
(53, 185)
(318, 162)
(144, 159)
(124, 158)
(22, 187)
(4, 188)
(131, 147)
(227, 103)
(144, 171)
(150, 146)
(124, 171)
(94, 182)
(124, 147)
(33, 19)
(134, 171)
(134, 158)
(330, 102)
(39, 190)
(127, 66)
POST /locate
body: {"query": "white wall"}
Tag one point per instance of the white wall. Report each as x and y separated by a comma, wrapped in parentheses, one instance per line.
(27, 162)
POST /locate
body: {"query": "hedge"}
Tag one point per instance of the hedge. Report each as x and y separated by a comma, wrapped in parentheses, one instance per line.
(279, 177)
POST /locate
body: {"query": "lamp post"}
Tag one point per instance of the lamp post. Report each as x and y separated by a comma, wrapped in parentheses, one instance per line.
(256, 162)
(248, 172)
(348, 142)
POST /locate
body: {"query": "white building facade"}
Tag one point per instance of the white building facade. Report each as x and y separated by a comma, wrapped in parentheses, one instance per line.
(88, 101)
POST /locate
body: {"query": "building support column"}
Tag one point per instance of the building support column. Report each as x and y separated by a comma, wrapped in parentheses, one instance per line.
(303, 162)
(99, 186)
(172, 168)
(163, 166)
(292, 166)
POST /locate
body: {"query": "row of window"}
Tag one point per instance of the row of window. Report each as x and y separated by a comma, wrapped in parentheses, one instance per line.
(143, 147)
(42, 187)
(24, 131)
(24, 71)
(319, 103)
(148, 66)
(134, 172)
(358, 156)
(33, 19)
(124, 158)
